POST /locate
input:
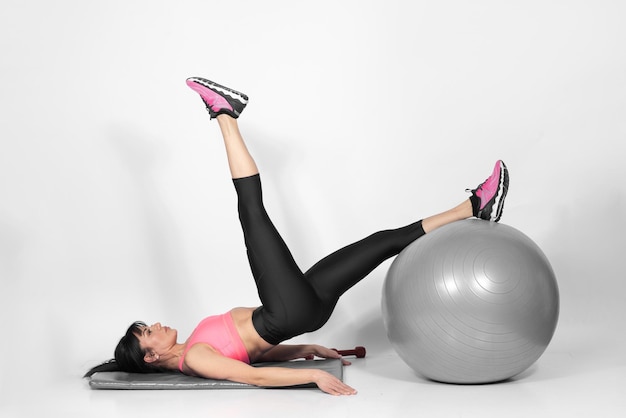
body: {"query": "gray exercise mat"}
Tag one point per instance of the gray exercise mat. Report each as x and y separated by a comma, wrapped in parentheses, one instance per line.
(175, 380)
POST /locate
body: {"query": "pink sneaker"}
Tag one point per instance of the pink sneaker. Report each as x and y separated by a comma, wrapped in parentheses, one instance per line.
(488, 198)
(218, 99)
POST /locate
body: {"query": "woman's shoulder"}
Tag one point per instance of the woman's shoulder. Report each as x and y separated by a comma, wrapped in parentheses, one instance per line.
(196, 353)
(205, 361)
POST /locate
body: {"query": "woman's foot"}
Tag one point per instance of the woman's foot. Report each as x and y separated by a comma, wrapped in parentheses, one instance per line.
(488, 198)
(218, 99)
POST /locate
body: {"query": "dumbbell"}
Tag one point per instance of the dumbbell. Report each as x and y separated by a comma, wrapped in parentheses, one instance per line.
(358, 351)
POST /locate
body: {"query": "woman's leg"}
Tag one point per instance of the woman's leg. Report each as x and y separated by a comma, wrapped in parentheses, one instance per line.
(332, 276)
(289, 301)
(335, 274)
(240, 161)
(338, 272)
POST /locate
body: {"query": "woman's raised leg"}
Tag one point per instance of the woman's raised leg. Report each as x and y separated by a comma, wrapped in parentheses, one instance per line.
(226, 105)
(240, 161)
(289, 301)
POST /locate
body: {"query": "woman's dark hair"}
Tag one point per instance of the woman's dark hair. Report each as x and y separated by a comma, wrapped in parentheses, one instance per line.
(129, 356)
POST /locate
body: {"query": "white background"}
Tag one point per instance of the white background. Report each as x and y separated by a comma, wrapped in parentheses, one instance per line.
(116, 202)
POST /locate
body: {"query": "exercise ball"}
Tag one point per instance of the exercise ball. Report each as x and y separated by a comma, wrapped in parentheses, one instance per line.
(471, 302)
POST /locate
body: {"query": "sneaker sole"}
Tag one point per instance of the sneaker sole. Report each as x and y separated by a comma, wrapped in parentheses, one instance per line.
(503, 188)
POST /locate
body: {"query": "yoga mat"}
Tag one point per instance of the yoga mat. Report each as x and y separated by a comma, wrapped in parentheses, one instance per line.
(176, 380)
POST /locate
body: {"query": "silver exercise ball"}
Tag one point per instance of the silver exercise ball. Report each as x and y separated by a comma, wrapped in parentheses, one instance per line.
(471, 302)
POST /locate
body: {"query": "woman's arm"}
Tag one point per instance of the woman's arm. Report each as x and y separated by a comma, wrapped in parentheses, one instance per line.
(202, 360)
(285, 352)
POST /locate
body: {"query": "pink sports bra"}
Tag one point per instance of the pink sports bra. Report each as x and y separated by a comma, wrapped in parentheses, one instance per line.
(220, 333)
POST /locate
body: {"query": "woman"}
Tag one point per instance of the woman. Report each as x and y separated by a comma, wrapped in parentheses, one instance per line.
(293, 302)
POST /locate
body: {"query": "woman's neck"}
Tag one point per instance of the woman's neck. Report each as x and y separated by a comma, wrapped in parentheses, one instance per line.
(171, 359)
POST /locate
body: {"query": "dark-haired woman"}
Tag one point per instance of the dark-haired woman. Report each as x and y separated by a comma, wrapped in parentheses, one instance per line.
(293, 302)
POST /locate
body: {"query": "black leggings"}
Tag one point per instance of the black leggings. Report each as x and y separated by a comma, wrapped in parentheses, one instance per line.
(295, 302)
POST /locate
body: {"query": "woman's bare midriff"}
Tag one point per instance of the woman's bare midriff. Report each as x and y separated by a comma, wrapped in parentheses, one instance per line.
(255, 345)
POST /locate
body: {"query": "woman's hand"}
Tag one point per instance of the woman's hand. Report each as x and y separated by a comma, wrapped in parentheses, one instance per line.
(330, 384)
(314, 350)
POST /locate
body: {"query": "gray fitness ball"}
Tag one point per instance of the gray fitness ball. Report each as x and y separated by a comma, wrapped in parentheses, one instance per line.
(471, 302)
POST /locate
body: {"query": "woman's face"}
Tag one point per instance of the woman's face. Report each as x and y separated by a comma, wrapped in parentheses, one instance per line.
(157, 338)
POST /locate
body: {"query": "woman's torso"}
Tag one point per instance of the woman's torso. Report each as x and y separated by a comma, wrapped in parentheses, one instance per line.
(237, 321)
(255, 345)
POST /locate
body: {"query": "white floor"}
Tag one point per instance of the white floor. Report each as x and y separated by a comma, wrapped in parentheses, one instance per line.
(576, 377)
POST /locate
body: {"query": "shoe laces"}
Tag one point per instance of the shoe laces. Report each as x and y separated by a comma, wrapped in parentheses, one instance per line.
(473, 191)
(209, 108)
(478, 188)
